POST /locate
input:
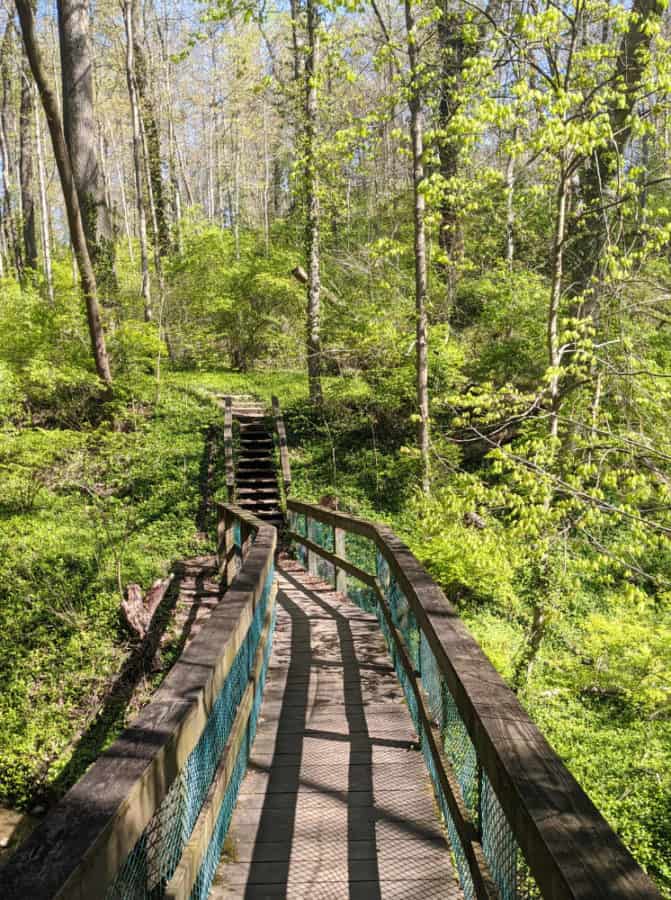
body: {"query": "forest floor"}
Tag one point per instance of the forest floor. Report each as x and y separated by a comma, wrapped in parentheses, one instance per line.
(90, 507)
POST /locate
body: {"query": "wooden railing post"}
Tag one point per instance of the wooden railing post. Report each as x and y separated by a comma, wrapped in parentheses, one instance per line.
(228, 448)
(312, 556)
(226, 550)
(340, 549)
(282, 442)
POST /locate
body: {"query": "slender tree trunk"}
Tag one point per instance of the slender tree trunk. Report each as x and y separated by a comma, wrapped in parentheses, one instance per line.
(145, 288)
(175, 194)
(44, 208)
(312, 201)
(510, 208)
(8, 216)
(266, 183)
(70, 195)
(554, 352)
(421, 269)
(26, 117)
(80, 134)
(121, 175)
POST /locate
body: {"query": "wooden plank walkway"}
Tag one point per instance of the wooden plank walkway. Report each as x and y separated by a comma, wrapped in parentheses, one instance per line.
(337, 802)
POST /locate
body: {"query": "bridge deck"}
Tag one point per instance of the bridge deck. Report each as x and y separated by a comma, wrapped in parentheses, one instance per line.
(336, 802)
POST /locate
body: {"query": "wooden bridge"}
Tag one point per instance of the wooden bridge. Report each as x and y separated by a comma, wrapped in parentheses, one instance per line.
(332, 731)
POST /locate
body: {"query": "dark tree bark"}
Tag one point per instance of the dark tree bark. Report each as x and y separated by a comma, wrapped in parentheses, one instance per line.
(81, 138)
(454, 54)
(26, 118)
(70, 194)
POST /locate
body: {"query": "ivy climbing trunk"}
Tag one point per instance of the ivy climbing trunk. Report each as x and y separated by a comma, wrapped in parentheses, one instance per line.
(453, 55)
(601, 171)
(70, 194)
(150, 129)
(81, 138)
(145, 288)
(421, 270)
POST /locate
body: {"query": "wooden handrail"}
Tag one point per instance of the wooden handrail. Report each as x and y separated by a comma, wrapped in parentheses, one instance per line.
(570, 849)
(79, 848)
(228, 448)
(281, 433)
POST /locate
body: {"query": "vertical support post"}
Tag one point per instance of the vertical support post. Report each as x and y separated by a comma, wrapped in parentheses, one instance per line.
(281, 433)
(340, 549)
(226, 548)
(228, 448)
(312, 556)
(245, 535)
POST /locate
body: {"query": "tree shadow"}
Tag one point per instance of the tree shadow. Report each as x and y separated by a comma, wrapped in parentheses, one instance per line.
(111, 717)
(208, 478)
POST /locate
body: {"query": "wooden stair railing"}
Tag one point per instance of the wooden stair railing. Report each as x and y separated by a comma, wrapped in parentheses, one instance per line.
(281, 433)
(228, 448)
(520, 825)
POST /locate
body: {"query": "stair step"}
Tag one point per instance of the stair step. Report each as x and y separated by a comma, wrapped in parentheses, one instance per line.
(259, 501)
(251, 489)
(264, 476)
(256, 442)
(255, 475)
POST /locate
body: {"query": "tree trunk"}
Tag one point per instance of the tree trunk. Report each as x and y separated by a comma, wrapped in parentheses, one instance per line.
(454, 54)
(421, 272)
(145, 288)
(44, 207)
(26, 116)
(150, 127)
(554, 352)
(70, 194)
(312, 202)
(81, 139)
(6, 163)
(591, 232)
(510, 207)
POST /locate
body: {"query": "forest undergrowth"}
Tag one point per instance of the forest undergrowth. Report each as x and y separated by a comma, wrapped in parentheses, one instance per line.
(93, 507)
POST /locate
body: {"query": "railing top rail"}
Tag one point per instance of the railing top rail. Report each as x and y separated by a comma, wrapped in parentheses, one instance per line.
(570, 848)
(82, 843)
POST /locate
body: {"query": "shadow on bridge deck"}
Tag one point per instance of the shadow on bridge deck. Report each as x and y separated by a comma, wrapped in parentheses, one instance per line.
(337, 802)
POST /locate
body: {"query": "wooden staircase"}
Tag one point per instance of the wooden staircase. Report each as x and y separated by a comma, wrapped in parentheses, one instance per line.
(256, 486)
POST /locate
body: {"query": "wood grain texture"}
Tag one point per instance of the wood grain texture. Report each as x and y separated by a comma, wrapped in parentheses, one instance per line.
(337, 801)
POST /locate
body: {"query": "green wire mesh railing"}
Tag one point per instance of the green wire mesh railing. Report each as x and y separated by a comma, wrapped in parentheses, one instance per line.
(504, 859)
(208, 868)
(153, 860)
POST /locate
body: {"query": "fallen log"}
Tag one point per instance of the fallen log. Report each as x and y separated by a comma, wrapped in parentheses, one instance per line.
(138, 609)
